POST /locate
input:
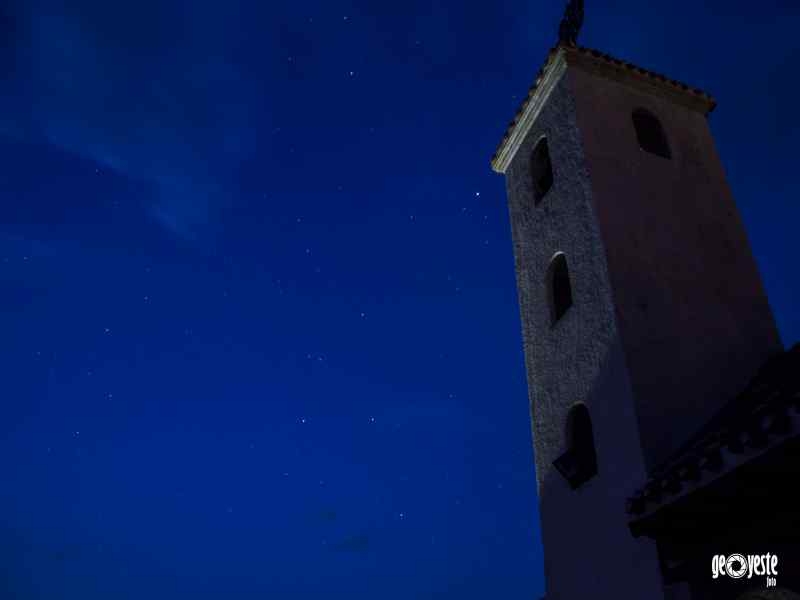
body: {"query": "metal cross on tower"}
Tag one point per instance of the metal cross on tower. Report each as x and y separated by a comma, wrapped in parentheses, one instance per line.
(571, 23)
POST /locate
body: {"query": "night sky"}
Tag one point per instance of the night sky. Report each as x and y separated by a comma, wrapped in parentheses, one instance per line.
(260, 332)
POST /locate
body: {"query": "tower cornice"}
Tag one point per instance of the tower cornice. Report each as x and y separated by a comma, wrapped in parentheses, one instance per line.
(600, 64)
(546, 80)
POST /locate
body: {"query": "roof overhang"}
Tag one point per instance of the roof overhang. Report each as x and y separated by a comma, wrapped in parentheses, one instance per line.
(761, 488)
(549, 76)
(691, 495)
(596, 63)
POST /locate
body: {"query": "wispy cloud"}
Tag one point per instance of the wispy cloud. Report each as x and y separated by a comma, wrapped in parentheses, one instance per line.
(156, 91)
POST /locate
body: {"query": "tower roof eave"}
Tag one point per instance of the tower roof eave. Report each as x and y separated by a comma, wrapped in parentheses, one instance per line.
(599, 63)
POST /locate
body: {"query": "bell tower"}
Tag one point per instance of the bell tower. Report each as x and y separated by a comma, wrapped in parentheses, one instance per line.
(641, 304)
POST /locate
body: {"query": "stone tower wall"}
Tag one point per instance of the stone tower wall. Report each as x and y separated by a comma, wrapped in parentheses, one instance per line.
(588, 549)
(692, 313)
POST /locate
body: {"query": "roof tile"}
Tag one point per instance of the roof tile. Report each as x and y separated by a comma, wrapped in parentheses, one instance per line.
(608, 59)
(757, 417)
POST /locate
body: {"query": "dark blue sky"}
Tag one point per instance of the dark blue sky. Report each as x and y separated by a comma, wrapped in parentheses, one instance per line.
(260, 334)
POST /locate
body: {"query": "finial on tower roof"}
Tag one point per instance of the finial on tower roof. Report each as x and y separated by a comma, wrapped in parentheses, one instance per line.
(571, 23)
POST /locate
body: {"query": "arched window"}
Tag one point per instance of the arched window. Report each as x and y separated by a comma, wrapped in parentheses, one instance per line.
(579, 463)
(560, 289)
(650, 133)
(541, 171)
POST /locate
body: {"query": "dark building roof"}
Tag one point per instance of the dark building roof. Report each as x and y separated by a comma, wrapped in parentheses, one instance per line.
(653, 77)
(760, 418)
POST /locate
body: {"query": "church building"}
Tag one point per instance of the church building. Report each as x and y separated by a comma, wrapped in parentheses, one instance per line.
(665, 409)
